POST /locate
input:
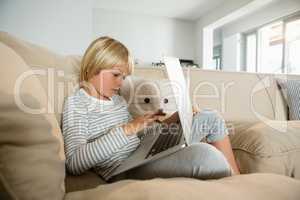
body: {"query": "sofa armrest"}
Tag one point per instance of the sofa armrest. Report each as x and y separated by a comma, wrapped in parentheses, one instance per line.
(268, 148)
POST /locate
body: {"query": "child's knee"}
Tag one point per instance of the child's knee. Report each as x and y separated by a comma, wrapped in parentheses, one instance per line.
(210, 159)
(209, 124)
(206, 118)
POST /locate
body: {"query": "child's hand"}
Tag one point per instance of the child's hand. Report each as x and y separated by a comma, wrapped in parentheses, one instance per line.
(140, 123)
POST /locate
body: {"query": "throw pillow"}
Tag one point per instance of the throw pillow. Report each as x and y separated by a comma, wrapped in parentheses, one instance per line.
(291, 92)
(31, 153)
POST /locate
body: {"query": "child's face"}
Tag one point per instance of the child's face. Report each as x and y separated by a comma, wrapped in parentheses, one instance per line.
(109, 81)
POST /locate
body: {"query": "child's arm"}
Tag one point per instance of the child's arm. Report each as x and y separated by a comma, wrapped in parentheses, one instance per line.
(140, 123)
(81, 155)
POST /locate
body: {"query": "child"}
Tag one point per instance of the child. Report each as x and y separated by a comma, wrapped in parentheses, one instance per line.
(99, 132)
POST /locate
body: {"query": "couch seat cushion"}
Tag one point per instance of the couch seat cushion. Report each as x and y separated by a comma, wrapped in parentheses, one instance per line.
(268, 148)
(85, 181)
(246, 187)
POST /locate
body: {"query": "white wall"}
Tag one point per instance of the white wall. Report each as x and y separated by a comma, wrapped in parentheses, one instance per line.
(147, 37)
(60, 25)
(67, 27)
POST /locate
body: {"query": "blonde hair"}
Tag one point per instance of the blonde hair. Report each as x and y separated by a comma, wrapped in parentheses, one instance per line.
(104, 53)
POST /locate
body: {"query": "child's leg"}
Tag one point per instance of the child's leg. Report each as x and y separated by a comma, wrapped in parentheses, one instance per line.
(210, 125)
(225, 147)
(200, 160)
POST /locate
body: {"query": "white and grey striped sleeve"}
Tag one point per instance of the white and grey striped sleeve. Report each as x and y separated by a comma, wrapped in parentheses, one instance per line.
(82, 155)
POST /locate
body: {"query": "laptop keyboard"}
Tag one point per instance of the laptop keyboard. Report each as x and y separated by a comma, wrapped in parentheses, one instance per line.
(164, 142)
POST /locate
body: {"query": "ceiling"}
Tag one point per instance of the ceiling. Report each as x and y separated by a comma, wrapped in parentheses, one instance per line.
(184, 9)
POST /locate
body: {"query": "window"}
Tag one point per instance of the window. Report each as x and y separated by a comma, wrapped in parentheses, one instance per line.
(270, 45)
(292, 49)
(274, 48)
(217, 57)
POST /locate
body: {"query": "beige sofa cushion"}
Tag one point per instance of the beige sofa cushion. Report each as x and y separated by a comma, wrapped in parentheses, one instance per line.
(58, 74)
(246, 187)
(85, 181)
(32, 54)
(262, 148)
(31, 150)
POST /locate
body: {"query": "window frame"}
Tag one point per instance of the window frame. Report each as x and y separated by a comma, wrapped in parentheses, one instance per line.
(285, 20)
(246, 48)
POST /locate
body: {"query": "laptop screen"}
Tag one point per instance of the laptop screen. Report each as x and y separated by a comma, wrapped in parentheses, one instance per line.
(181, 92)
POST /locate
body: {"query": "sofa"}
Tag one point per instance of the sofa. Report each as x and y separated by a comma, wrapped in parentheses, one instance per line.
(35, 81)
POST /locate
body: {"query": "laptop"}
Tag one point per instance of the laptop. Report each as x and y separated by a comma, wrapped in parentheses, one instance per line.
(163, 143)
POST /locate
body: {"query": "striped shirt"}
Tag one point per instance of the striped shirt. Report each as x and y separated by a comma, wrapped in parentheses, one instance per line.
(93, 135)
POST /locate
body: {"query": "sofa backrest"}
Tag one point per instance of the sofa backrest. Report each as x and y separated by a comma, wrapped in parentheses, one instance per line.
(236, 95)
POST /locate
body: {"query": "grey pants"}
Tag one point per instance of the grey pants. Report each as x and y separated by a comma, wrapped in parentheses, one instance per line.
(199, 160)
